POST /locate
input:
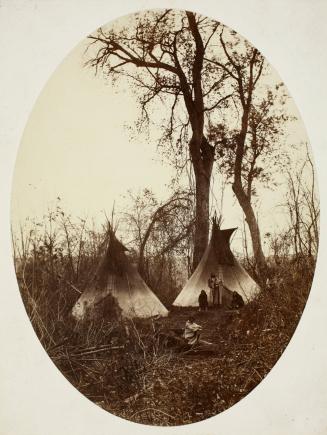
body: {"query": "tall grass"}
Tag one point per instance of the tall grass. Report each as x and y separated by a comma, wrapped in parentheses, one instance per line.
(123, 365)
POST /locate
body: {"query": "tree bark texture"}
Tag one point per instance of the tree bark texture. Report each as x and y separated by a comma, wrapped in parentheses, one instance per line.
(243, 198)
(202, 164)
(251, 220)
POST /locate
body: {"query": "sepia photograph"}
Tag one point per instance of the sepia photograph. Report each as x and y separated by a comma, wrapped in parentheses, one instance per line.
(165, 217)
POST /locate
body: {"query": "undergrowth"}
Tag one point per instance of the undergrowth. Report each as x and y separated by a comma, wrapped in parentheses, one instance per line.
(126, 368)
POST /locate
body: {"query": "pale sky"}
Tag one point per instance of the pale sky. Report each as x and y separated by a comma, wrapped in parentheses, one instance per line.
(76, 146)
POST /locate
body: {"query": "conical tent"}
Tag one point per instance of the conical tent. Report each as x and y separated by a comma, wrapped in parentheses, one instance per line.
(218, 259)
(118, 277)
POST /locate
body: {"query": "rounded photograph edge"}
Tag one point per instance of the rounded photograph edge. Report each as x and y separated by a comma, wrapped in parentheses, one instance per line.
(118, 278)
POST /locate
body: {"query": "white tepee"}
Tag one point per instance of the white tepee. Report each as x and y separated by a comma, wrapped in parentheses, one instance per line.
(117, 276)
(218, 259)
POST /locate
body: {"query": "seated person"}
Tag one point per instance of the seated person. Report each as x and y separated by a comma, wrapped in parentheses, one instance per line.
(203, 301)
(237, 301)
(192, 331)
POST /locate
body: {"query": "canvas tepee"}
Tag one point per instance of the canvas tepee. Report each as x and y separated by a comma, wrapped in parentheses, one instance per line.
(218, 259)
(118, 276)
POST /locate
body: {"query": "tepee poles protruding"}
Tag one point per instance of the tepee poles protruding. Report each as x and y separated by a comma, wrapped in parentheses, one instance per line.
(217, 220)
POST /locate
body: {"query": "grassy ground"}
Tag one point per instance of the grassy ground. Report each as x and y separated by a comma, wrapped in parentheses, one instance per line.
(129, 369)
(143, 380)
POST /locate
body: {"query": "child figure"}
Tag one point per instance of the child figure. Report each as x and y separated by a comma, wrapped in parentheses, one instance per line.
(203, 301)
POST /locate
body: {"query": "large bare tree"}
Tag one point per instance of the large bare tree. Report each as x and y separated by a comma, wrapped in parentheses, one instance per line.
(251, 149)
(163, 55)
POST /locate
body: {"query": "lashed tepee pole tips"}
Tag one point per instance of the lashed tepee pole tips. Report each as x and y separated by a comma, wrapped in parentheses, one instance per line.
(214, 218)
(217, 221)
(110, 229)
(111, 225)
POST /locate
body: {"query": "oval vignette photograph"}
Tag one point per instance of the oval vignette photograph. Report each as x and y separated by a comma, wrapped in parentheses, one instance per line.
(165, 217)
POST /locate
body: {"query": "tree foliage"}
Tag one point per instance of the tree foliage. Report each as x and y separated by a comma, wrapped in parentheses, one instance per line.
(263, 154)
(163, 54)
(213, 97)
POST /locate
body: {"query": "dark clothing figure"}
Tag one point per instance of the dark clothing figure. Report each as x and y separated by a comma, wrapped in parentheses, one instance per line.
(203, 301)
(237, 301)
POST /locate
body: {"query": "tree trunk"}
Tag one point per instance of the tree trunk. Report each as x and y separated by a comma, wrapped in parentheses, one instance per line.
(245, 199)
(201, 231)
(251, 220)
(202, 155)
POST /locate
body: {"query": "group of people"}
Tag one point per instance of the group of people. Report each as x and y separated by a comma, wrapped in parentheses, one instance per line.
(192, 330)
(216, 286)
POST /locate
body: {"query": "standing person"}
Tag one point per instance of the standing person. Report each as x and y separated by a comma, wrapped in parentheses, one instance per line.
(192, 331)
(213, 285)
(220, 290)
(203, 301)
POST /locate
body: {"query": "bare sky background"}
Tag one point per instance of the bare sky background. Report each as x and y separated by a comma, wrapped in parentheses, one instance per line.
(77, 145)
